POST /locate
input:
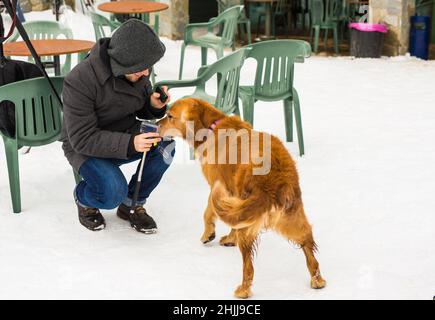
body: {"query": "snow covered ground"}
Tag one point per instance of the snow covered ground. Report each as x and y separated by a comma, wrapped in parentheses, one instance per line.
(368, 181)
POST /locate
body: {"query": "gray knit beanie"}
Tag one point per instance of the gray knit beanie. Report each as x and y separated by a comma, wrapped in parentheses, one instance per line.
(134, 47)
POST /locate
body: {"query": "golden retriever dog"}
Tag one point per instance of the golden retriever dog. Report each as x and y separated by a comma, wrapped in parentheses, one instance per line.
(254, 189)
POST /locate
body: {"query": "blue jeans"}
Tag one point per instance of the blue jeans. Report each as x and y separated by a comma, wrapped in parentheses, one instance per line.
(105, 187)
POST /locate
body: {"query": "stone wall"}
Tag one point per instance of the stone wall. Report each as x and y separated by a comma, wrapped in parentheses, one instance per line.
(40, 5)
(173, 20)
(396, 15)
(25, 5)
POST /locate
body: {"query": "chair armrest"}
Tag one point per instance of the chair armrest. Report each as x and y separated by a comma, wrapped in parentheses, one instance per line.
(114, 25)
(201, 70)
(192, 26)
(177, 83)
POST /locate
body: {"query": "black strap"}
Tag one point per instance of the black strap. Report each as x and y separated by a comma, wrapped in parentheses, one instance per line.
(23, 34)
(2, 34)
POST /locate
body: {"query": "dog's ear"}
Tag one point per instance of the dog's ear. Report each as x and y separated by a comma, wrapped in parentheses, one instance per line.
(207, 113)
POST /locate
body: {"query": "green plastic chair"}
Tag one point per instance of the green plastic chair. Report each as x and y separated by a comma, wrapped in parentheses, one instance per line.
(274, 81)
(38, 119)
(228, 21)
(41, 30)
(242, 20)
(324, 16)
(227, 70)
(100, 22)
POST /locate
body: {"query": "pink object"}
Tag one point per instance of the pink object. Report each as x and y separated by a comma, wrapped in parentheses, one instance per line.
(368, 27)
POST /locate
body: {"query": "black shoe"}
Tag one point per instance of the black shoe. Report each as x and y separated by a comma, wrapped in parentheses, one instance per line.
(91, 218)
(139, 220)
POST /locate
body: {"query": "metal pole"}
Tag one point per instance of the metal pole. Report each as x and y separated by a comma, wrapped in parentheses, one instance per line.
(2, 34)
(138, 182)
(56, 9)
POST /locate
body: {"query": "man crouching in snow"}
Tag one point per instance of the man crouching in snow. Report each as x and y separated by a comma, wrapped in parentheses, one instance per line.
(102, 97)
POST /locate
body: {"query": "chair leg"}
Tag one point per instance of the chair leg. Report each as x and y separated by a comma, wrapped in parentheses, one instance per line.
(316, 38)
(288, 117)
(183, 48)
(287, 26)
(242, 32)
(274, 26)
(248, 31)
(153, 76)
(77, 177)
(14, 174)
(336, 40)
(258, 25)
(233, 45)
(311, 36)
(298, 119)
(248, 109)
(219, 52)
(237, 111)
(326, 39)
(156, 23)
(204, 56)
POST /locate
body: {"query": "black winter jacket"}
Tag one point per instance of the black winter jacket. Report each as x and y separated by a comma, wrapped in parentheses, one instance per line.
(100, 110)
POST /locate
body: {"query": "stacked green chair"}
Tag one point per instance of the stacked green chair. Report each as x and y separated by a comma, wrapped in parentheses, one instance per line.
(145, 17)
(42, 30)
(274, 81)
(342, 16)
(282, 9)
(227, 70)
(300, 8)
(242, 20)
(38, 119)
(100, 22)
(324, 16)
(228, 22)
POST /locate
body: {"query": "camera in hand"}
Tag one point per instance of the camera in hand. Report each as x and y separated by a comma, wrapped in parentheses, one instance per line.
(150, 126)
(163, 96)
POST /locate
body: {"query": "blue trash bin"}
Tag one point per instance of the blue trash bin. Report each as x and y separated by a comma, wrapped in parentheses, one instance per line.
(420, 37)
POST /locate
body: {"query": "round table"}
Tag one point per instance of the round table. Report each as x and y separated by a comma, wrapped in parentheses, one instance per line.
(49, 47)
(131, 7)
(268, 22)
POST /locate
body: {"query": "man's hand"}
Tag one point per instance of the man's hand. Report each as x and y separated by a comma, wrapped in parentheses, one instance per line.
(155, 101)
(144, 141)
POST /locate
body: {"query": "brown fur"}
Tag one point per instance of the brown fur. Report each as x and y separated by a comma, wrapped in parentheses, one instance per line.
(248, 203)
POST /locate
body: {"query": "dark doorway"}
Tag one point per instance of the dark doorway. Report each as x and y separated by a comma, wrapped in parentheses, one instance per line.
(202, 10)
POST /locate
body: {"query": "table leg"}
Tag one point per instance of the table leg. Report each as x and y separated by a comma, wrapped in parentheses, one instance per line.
(56, 66)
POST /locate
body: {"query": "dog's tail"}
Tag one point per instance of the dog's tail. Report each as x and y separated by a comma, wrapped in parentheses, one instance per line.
(236, 212)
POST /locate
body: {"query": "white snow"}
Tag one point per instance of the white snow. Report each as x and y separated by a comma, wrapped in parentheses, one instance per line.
(368, 186)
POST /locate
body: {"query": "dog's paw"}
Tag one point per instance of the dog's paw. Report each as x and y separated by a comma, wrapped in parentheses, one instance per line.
(208, 237)
(227, 241)
(317, 282)
(243, 292)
